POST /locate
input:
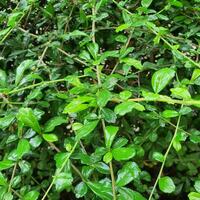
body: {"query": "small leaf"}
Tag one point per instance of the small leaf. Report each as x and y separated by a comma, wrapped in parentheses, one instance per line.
(158, 156)
(128, 194)
(126, 107)
(3, 78)
(122, 27)
(109, 115)
(123, 153)
(110, 132)
(194, 196)
(13, 18)
(27, 116)
(197, 185)
(107, 157)
(53, 122)
(170, 113)
(3, 181)
(23, 147)
(6, 164)
(32, 195)
(63, 181)
(50, 137)
(6, 121)
(146, 3)
(166, 184)
(21, 69)
(125, 95)
(132, 62)
(93, 48)
(180, 93)
(161, 78)
(103, 96)
(195, 75)
(104, 191)
(129, 172)
(80, 190)
(86, 129)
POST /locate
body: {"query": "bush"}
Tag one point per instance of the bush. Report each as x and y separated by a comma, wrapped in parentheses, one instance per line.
(99, 99)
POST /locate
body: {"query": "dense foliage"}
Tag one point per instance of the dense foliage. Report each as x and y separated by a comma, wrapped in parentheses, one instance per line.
(99, 99)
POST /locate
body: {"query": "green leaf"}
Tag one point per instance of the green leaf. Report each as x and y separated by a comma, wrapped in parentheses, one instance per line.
(195, 75)
(122, 27)
(63, 181)
(126, 107)
(197, 185)
(80, 190)
(3, 181)
(27, 116)
(23, 147)
(104, 191)
(6, 121)
(180, 93)
(132, 62)
(103, 96)
(110, 132)
(21, 69)
(158, 156)
(170, 113)
(50, 137)
(194, 196)
(32, 195)
(107, 157)
(53, 122)
(123, 153)
(93, 48)
(129, 172)
(128, 194)
(3, 78)
(6, 164)
(124, 95)
(13, 18)
(86, 129)
(161, 78)
(146, 3)
(166, 184)
(109, 115)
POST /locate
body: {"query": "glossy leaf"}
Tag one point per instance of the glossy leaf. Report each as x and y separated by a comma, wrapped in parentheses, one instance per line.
(146, 3)
(128, 173)
(180, 93)
(81, 189)
(133, 62)
(53, 122)
(23, 147)
(166, 184)
(3, 78)
(194, 196)
(161, 78)
(27, 116)
(123, 153)
(103, 96)
(5, 164)
(128, 194)
(170, 113)
(50, 137)
(32, 195)
(110, 132)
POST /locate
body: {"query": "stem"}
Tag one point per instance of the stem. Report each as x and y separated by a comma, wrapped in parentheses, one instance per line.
(93, 22)
(165, 157)
(60, 170)
(113, 180)
(11, 180)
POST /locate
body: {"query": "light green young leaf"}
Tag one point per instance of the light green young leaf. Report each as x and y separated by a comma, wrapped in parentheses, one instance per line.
(170, 113)
(103, 96)
(21, 69)
(161, 78)
(197, 185)
(122, 27)
(194, 196)
(93, 48)
(23, 147)
(126, 107)
(180, 93)
(32, 195)
(13, 18)
(6, 121)
(129, 172)
(3, 181)
(50, 137)
(86, 129)
(146, 3)
(27, 116)
(166, 184)
(104, 191)
(107, 157)
(124, 95)
(110, 132)
(123, 153)
(6, 164)
(53, 122)
(132, 62)
(195, 75)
